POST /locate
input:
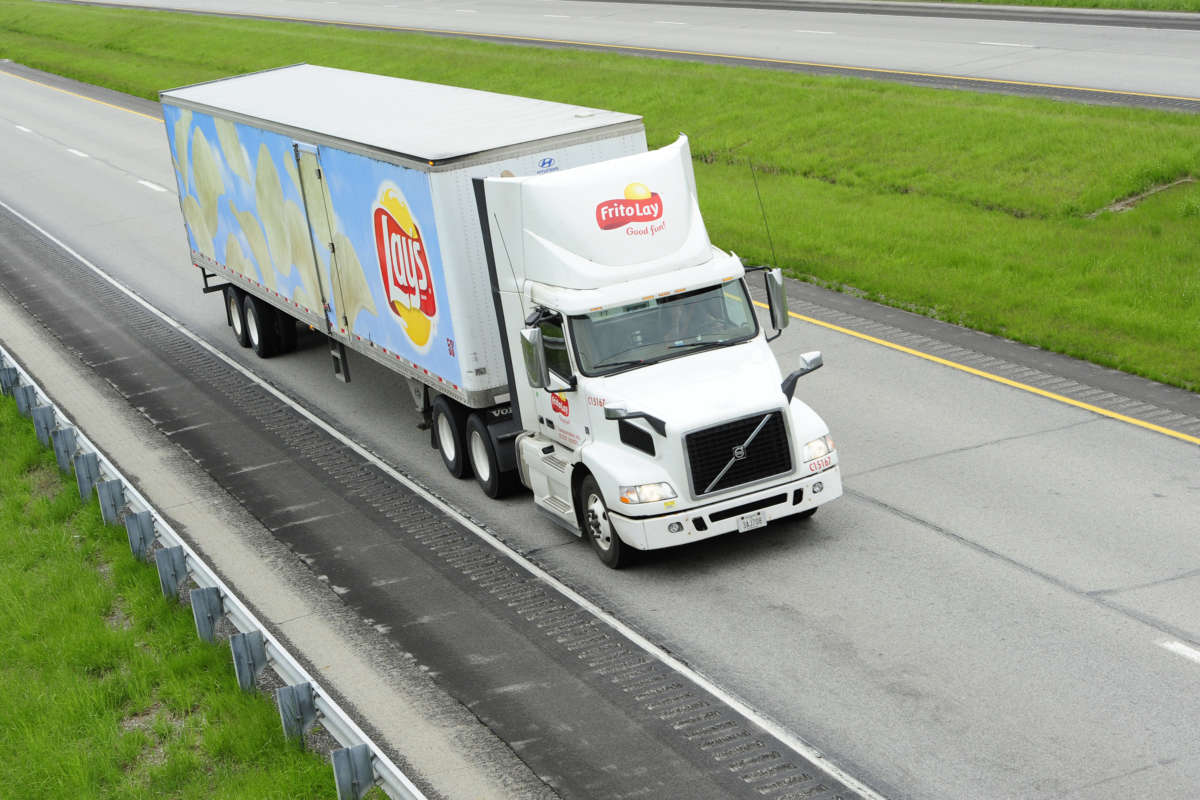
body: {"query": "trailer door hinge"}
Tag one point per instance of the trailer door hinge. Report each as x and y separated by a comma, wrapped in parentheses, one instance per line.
(332, 249)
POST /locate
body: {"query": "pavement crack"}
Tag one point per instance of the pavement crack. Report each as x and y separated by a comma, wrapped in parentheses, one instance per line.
(970, 447)
(1192, 573)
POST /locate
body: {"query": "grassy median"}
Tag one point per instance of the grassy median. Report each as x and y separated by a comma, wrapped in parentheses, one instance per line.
(105, 689)
(990, 211)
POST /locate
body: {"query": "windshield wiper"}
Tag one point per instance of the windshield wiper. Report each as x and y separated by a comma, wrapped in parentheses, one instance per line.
(697, 344)
(606, 364)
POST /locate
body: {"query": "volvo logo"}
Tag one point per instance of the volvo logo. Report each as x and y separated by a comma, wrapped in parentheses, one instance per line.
(739, 452)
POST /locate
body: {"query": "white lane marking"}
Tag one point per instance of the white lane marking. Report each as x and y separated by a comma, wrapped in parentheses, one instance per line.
(79, 153)
(733, 701)
(1004, 44)
(23, 128)
(556, 16)
(466, 10)
(667, 22)
(819, 33)
(153, 186)
(1181, 649)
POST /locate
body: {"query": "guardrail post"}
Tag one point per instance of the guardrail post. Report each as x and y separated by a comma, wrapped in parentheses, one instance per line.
(26, 396)
(64, 447)
(249, 657)
(139, 528)
(297, 709)
(352, 771)
(206, 608)
(172, 569)
(8, 379)
(112, 500)
(87, 473)
(43, 423)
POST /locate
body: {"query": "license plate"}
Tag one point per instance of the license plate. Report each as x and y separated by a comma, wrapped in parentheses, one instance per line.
(752, 521)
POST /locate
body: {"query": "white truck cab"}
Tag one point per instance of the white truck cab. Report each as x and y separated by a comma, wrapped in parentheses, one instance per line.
(652, 411)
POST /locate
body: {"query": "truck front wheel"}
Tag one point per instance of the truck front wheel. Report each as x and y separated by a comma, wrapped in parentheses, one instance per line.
(598, 528)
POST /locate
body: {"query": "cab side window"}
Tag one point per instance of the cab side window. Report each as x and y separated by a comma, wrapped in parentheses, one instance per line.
(557, 357)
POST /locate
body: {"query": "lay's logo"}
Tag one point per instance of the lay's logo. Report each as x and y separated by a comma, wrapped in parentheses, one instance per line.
(638, 205)
(404, 266)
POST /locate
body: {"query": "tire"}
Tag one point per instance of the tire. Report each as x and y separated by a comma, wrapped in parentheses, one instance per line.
(237, 317)
(261, 327)
(485, 462)
(593, 513)
(450, 435)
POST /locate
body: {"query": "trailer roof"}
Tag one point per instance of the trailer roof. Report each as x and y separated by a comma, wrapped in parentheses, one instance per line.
(428, 121)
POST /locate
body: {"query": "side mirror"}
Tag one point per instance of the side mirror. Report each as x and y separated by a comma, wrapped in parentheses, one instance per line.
(777, 302)
(536, 369)
(809, 362)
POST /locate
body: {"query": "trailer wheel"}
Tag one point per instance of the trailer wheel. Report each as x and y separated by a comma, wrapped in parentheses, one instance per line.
(449, 431)
(237, 317)
(261, 327)
(598, 529)
(485, 462)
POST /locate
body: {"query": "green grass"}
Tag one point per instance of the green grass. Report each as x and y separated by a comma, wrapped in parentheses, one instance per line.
(974, 208)
(105, 689)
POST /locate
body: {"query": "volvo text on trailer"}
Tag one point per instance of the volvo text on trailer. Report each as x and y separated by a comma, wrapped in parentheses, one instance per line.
(544, 284)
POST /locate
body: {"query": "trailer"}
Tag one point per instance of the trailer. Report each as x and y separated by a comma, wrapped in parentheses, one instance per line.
(544, 285)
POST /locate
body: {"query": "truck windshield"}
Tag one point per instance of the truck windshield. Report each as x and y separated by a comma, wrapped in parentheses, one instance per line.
(653, 330)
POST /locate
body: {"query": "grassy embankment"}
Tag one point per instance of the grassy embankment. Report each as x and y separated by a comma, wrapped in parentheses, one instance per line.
(983, 210)
(105, 689)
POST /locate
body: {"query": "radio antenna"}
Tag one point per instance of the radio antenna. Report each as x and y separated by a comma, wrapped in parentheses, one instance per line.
(511, 269)
(762, 209)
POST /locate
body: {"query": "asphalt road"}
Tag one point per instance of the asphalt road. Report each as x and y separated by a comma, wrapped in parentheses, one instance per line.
(1145, 58)
(1003, 605)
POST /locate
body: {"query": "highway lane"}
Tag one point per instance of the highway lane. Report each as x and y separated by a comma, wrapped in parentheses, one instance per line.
(1048, 48)
(1002, 606)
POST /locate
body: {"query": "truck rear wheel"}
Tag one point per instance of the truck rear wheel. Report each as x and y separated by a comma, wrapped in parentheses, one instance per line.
(286, 328)
(599, 529)
(449, 430)
(485, 461)
(237, 317)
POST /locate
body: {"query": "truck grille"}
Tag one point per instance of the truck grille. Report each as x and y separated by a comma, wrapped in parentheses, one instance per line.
(713, 453)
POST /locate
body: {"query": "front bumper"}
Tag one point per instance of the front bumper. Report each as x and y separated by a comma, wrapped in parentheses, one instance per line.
(704, 522)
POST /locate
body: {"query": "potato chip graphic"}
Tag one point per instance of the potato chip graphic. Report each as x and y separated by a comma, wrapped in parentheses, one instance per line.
(258, 245)
(209, 184)
(231, 148)
(268, 196)
(196, 223)
(183, 126)
(301, 248)
(235, 259)
(356, 295)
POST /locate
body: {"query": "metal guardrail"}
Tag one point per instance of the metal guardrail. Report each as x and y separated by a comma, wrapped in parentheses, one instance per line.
(360, 764)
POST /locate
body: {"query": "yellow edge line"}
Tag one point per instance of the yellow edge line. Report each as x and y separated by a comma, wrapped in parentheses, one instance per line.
(667, 51)
(80, 96)
(1104, 412)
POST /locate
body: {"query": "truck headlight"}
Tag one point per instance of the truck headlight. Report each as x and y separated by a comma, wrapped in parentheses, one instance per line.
(647, 493)
(818, 447)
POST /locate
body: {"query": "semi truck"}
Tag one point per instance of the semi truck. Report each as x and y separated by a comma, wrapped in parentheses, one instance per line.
(543, 284)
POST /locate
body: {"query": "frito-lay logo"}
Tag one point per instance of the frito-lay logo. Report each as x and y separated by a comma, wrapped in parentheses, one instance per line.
(638, 205)
(404, 266)
(559, 404)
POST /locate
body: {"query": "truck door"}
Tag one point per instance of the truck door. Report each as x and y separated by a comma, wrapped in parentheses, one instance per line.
(319, 211)
(561, 416)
